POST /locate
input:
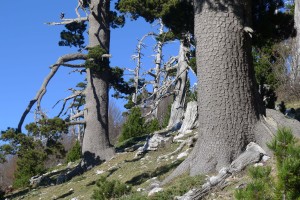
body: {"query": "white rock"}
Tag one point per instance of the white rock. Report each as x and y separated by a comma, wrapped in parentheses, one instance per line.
(155, 141)
(183, 154)
(155, 190)
(265, 158)
(99, 172)
(69, 164)
(140, 189)
(258, 164)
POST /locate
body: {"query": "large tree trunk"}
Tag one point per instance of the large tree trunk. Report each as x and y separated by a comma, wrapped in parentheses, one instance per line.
(295, 70)
(228, 102)
(177, 110)
(96, 146)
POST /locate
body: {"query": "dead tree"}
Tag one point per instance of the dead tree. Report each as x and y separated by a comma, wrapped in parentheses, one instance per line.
(138, 58)
(177, 109)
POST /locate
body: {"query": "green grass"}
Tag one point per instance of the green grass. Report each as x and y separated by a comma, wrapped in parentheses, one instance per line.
(127, 169)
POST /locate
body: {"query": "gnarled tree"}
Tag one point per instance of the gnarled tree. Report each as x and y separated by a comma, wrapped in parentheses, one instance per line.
(100, 76)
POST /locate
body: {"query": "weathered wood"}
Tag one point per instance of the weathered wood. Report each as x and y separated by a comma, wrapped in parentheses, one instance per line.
(190, 120)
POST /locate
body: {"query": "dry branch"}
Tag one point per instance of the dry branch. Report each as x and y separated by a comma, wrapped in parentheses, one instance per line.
(62, 60)
(75, 123)
(76, 94)
(68, 21)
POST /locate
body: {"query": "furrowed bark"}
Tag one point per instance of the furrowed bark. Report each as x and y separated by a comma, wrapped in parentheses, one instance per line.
(227, 97)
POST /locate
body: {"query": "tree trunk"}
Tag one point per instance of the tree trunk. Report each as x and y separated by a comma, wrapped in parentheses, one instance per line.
(227, 98)
(296, 65)
(177, 110)
(96, 146)
(158, 60)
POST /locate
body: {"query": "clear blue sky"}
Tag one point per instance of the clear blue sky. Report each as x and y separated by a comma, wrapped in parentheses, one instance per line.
(29, 47)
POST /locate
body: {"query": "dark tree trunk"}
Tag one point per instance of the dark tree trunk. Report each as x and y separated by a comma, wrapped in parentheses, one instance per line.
(228, 102)
(96, 146)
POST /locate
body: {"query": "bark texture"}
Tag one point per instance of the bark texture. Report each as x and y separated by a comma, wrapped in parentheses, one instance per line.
(96, 146)
(227, 98)
(177, 109)
(295, 70)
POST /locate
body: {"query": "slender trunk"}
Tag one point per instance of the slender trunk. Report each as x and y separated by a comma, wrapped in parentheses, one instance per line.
(227, 97)
(177, 109)
(158, 61)
(96, 146)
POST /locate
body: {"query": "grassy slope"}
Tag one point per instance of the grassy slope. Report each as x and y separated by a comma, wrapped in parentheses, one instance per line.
(124, 167)
(139, 173)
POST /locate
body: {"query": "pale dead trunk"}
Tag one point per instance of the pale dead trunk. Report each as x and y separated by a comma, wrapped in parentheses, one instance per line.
(96, 146)
(158, 61)
(177, 109)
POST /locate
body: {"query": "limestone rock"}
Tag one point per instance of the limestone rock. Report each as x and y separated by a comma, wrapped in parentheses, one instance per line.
(155, 190)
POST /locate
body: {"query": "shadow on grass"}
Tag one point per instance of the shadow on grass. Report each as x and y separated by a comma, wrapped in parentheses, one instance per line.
(65, 195)
(130, 142)
(139, 179)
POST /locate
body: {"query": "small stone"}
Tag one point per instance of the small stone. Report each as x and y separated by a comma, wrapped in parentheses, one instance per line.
(140, 189)
(182, 155)
(155, 190)
(265, 158)
(99, 172)
(258, 164)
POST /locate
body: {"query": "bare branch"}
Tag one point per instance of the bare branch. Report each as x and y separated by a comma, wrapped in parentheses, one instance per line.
(68, 21)
(42, 90)
(80, 114)
(75, 123)
(74, 65)
(76, 94)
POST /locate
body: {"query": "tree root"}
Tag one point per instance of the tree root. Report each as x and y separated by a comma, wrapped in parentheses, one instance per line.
(253, 154)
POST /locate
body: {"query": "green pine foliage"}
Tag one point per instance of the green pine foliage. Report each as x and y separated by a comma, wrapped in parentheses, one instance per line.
(167, 117)
(95, 59)
(134, 125)
(260, 187)
(73, 35)
(30, 152)
(74, 153)
(30, 162)
(286, 185)
(110, 189)
(152, 126)
(287, 153)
